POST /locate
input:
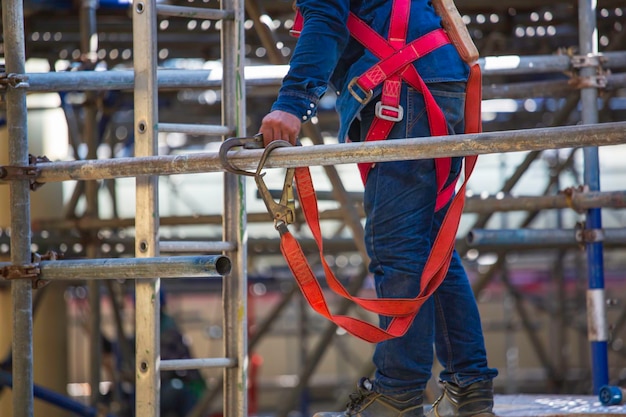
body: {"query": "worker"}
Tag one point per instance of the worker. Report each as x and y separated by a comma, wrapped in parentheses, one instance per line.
(400, 198)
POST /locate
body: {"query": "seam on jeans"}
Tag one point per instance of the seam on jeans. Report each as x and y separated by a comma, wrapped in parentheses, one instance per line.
(444, 332)
(373, 176)
(412, 121)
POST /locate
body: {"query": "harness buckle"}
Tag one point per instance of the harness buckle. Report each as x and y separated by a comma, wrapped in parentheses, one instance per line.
(367, 94)
(380, 108)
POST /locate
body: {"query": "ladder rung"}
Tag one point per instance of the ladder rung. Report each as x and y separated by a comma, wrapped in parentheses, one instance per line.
(195, 129)
(194, 12)
(186, 364)
(196, 247)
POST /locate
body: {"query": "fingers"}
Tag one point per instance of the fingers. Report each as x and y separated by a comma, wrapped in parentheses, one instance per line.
(280, 125)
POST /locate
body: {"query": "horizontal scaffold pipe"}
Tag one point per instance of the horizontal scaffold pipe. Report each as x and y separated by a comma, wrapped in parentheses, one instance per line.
(540, 64)
(194, 12)
(335, 154)
(133, 268)
(533, 89)
(211, 79)
(197, 363)
(579, 201)
(542, 237)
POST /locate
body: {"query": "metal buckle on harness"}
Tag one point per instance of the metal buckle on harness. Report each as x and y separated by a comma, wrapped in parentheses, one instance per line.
(283, 212)
(380, 108)
(368, 94)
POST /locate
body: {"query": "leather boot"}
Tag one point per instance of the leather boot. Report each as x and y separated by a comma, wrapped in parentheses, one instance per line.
(366, 402)
(475, 400)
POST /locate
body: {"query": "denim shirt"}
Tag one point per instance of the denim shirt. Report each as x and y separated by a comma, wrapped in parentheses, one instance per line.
(325, 54)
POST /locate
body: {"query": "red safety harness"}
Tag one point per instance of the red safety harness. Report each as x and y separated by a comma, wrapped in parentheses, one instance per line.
(394, 68)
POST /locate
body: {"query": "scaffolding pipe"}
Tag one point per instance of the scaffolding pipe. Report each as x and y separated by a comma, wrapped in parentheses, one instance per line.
(533, 89)
(57, 399)
(235, 290)
(198, 79)
(596, 303)
(578, 201)
(196, 247)
(344, 153)
(542, 237)
(195, 129)
(132, 268)
(200, 363)
(193, 12)
(541, 64)
(19, 200)
(89, 50)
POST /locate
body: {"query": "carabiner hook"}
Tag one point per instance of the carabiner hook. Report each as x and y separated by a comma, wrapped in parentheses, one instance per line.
(253, 142)
(283, 212)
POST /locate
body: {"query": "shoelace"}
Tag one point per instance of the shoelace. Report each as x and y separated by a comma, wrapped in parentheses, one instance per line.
(363, 391)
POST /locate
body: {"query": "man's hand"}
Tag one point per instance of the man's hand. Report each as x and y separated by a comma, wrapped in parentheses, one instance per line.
(280, 125)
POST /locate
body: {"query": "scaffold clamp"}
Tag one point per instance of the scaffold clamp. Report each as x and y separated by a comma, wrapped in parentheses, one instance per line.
(584, 236)
(30, 172)
(598, 80)
(591, 60)
(570, 194)
(14, 80)
(28, 271)
(593, 81)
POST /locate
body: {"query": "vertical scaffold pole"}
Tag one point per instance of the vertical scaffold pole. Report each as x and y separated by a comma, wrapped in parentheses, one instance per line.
(89, 51)
(147, 329)
(596, 306)
(235, 285)
(19, 196)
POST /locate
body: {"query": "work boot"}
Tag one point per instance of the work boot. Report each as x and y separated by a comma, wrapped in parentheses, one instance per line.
(475, 400)
(365, 402)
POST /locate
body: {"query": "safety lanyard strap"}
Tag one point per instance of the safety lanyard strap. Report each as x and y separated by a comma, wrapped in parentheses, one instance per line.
(393, 70)
(401, 310)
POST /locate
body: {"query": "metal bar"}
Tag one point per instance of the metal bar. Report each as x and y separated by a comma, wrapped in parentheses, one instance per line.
(191, 129)
(331, 154)
(167, 79)
(235, 290)
(532, 89)
(539, 237)
(19, 199)
(578, 201)
(177, 78)
(596, 305)
(182, 246)
(541, 64)
(193, 12)
(204, 363)
(133, 268)
(89, 51)
(57, 399)
(147, 323)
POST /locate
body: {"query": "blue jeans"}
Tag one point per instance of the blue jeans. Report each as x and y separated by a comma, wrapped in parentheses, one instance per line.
(400, 228)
